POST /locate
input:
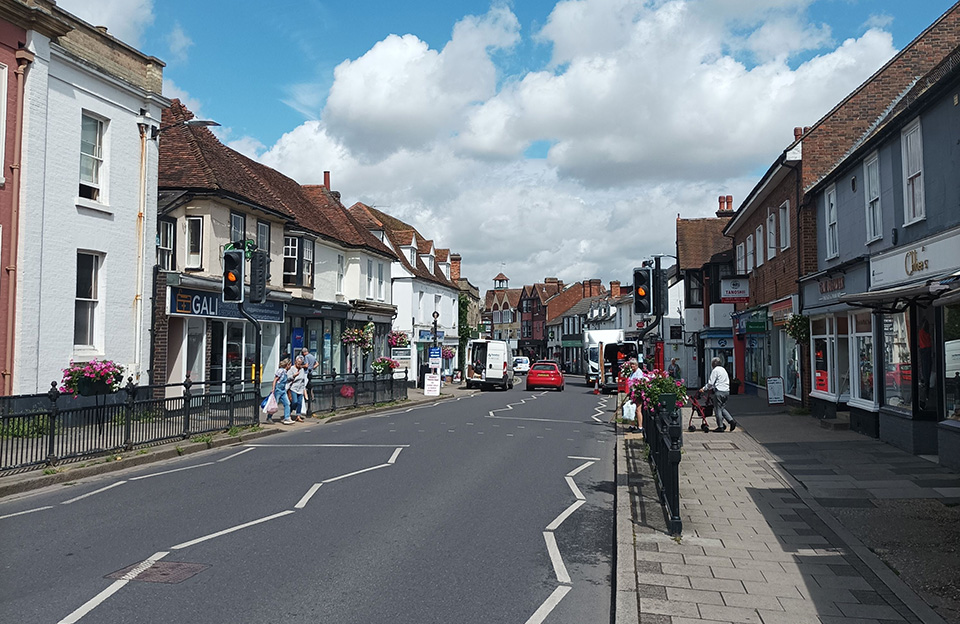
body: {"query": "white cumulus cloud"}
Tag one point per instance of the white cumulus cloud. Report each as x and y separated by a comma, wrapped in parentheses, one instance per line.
(125, 19)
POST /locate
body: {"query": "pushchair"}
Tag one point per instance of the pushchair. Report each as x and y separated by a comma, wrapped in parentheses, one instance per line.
(702, 405)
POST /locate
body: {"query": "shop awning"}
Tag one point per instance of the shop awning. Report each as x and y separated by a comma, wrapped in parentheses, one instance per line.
(898, 298)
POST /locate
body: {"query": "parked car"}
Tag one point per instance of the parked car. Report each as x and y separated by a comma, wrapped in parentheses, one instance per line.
(521, 364)
(545, 374)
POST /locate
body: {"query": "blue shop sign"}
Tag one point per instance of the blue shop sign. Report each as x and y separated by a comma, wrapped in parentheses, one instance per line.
(189, 302)
(427, 334)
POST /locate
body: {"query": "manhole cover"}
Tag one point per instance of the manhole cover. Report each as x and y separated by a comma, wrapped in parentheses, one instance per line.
(162, 572)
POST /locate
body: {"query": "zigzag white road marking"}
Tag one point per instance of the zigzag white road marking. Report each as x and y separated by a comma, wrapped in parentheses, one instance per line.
(599, 409)
(509, 407)
(420, 407)
(559, 569)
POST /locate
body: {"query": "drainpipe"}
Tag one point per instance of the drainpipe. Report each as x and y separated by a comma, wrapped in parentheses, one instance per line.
(24, 58)
(141, 239)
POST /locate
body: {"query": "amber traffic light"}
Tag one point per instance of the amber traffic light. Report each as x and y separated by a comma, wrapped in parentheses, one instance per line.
(233, 265)
(643, 290)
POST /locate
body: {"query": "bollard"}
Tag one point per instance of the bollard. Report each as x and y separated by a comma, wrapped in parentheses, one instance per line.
(53, 394)
(187, 402)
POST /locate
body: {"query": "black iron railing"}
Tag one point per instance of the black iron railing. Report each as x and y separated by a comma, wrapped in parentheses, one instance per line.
(45, 429)
(663, 434)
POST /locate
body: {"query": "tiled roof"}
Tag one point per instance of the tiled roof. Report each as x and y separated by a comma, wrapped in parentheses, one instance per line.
(501, 277)
(699, 239)
(401, 234)
(193, 160)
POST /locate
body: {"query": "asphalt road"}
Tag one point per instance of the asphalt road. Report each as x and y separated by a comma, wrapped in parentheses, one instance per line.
(492, 508)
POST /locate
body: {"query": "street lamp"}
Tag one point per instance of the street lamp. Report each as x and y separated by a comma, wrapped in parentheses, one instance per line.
(436, 315)
(189, 123)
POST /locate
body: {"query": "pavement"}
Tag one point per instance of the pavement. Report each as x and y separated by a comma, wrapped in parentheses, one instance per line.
(17, 482)
(785, 520)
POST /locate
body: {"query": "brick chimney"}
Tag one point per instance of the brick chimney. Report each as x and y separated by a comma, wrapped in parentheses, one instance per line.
(797, 133)
(596, 286)
(455, 267)
(326, 179)
(726, 206)
(615, 289)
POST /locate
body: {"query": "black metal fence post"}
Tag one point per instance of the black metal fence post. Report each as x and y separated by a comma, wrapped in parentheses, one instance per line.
(187, 406)
(231, 389)
(53, 394)
(669, 422)
(375, 374)
(356, 388)
(131, 389)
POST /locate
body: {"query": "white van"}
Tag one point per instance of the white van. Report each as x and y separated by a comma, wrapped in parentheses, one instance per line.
(489, 363)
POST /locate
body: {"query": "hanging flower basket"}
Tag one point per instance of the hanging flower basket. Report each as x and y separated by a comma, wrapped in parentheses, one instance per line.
(797, 327)
(91, 378)
(646, 389)
(383, 365)
(398, 339)
(447, 353)
(360, 338)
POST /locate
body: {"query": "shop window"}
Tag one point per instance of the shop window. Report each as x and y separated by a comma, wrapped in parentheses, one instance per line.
(951, 356)
(928, 392)
(196, 350)
(791, 380)
(863, 389)
(820, 329)
(898, 373)
(842, 357)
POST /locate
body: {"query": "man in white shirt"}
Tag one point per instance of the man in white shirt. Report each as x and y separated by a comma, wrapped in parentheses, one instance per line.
(630, 411)
(719, 382)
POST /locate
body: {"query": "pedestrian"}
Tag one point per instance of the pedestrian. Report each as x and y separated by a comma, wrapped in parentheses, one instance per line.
(631, 411)
(297, 385)
(674, 369)
(719, 383)
(280, 390)
(311, 365)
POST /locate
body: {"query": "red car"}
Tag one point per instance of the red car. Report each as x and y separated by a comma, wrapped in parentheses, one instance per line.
(545, 375)
(898, 376)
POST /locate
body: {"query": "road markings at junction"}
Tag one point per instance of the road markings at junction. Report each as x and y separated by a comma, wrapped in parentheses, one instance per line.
(246, 450)
(573, 487)
(553, 526)
(558, 568)
(601, 406)
(576, 471)
(306, 497)
(91, 604)
(541, 614)
(393, 458)
(232, 529)
(166, 472)
(103, 489)
(29, 511)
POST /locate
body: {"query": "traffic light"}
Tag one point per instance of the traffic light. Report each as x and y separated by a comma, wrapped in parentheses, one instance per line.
(661, 294)
(643, 290)
(258, 276)
(233, 265)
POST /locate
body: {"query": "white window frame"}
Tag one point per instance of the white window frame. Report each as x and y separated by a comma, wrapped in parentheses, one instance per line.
(166, 235)
(93, 301)
(829, 339)
(785, 225)
(263, 235)
(771, 235)
(194, 259)
(238, 225)
(830, 231)
(306, 268)
(95, 184)
(290, 244)
(750, 253)
(914, 209)
(741, 259)
(380, 293)
(340, 270)
(369, 278)
(871, 197)
(759, 239)
(854, 359)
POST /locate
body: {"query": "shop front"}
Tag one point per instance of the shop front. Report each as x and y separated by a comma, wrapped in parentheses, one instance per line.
(914, 297)
(716, 342)
(842, 353)
(786, 357)
(753, 340)
(449, 347)
(318, 326)
(210, 341)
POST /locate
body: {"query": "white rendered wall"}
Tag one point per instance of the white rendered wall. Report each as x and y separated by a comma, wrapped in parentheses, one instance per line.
(53, 227)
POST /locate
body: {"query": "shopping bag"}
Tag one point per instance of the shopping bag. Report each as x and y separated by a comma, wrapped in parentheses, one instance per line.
(271, 405)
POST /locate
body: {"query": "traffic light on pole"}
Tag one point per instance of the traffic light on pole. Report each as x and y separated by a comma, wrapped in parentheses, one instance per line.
(258, 276)
(643, 290)
(233, 265)
(661, 293)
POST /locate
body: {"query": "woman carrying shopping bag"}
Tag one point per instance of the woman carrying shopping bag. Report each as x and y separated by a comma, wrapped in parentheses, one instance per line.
(280, 390)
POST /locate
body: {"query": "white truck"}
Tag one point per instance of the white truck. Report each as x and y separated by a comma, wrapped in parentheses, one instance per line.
(489, 364)
(592, 338)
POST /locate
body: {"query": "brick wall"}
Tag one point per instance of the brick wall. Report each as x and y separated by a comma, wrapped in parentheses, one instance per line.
(826, 142)
(161, 322)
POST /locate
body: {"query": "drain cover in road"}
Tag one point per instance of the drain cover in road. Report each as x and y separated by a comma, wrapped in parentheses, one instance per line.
(163, 572)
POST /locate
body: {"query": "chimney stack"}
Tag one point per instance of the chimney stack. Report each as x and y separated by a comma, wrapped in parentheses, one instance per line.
(730, 203)
(615, 289)
(596, 287)
(797, 133)
(326, 180)
(723, 204)
(455, 267)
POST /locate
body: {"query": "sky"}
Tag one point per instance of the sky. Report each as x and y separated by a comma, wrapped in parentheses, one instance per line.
(534, 138)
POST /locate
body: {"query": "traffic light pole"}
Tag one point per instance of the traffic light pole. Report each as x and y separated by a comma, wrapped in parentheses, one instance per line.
(258, 331)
